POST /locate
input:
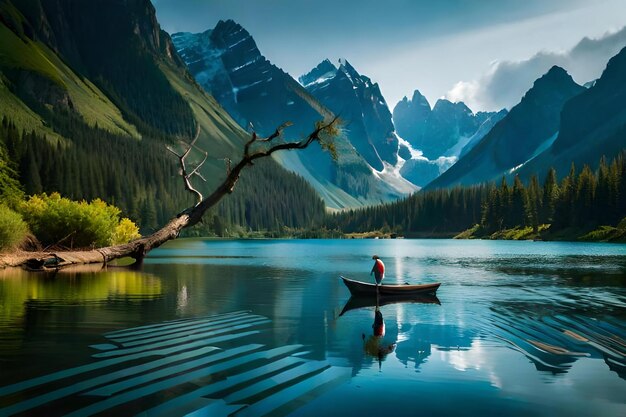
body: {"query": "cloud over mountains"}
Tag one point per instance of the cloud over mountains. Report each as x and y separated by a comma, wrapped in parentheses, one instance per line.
(504, 84)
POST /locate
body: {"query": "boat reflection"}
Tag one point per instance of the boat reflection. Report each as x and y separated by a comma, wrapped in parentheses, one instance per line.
(356, 302)
(375, 345)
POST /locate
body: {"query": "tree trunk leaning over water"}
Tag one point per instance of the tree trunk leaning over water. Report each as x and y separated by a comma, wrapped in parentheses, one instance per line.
(255, 148)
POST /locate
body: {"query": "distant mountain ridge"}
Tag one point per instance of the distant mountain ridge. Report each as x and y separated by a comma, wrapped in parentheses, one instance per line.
(436, 131)
(228, 64)
(437, 136)
(525, 131)
(592, 124)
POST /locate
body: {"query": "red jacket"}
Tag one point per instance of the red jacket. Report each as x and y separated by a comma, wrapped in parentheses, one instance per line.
(379, 270)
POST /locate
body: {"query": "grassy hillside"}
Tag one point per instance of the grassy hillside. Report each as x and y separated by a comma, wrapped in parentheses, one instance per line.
(112, 91)
(27, 64)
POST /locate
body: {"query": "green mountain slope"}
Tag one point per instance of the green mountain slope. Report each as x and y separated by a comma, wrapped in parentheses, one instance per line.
(40, 78)
(103, 79)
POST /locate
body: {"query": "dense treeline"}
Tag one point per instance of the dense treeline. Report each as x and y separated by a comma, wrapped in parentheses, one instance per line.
(142, 179)
(582, 199)
(438, 211)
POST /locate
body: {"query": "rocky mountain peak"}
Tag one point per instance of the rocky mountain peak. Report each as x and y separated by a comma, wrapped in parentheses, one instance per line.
(360, 103)
(233, 38)
(445, 104)
(348, 69)
(419, 100)
(554, 82)
(614, 71)
(323, 71)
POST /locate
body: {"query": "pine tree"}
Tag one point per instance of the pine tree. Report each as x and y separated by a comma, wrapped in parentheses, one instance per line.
(517, 203)
(533, 204)
(550, 197)
(584, 200)
(564, 210)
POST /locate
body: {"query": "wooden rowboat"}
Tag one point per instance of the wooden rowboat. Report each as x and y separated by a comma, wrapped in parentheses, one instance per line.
(363, 288)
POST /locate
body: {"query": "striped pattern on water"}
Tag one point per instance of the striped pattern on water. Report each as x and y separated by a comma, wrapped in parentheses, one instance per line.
(180, 367)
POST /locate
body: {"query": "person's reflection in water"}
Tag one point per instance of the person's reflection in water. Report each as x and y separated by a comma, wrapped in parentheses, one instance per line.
(375, 345)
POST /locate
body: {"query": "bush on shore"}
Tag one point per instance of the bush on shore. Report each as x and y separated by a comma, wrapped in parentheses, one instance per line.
(13, 229)
(59, 221)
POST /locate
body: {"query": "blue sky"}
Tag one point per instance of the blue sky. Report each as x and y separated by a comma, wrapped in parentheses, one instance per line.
(444, 47)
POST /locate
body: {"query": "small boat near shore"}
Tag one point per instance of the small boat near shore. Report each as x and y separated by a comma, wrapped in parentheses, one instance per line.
(363, 288)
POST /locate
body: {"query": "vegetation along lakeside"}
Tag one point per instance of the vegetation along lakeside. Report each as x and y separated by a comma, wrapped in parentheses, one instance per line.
(193, 193)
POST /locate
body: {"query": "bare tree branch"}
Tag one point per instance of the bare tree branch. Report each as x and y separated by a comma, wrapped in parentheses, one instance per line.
(199, 175)
(183, 168)
(229, 183)
(195, 170)
(278, 132)
(173, 151)
(137, 249)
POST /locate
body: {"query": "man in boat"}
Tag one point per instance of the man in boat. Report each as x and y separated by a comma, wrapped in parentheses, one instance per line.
(378, 269)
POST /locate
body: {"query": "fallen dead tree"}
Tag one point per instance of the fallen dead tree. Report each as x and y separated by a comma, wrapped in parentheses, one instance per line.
(255, 148)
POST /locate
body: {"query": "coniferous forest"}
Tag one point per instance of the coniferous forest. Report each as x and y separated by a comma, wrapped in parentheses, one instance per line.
(143, 180)
(581, 201)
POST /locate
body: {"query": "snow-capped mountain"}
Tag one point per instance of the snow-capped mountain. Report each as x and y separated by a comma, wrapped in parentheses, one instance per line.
(437, 132)
(527, 130)
(436, 137)
(359, 102)
(226, 62)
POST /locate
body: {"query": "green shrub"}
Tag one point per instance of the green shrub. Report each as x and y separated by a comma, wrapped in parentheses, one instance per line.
(124, 232)
(56, 220)
(601, 234)
(470, 233)
(13, 229)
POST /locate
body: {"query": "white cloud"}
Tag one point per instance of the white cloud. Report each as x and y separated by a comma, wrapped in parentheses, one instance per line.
(434, 65)
(504, 84)
(463, 91)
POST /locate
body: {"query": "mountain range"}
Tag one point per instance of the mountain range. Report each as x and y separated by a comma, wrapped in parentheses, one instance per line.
(528, 128)
(557, 123)
(437, 137)
(592, 124)
(377, 164)
(113, 75)
(360, 103)
(438, 131)
(227, 63)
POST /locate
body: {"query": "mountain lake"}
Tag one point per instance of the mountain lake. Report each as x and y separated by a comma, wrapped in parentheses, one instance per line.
(266, 327)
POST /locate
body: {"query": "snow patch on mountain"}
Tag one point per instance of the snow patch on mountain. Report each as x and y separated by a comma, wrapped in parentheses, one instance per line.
(415, 153)
(540, 149)
(392, 176)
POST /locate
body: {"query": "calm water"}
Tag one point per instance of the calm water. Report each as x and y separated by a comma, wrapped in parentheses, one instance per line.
(521, 328)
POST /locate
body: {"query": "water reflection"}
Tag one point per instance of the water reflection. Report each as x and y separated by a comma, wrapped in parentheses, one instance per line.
(554, 342)
(20, 288)
(375, 345)
(421, 338)
(357, 302)
(522, 328)
(45, 311)
(379, 343)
